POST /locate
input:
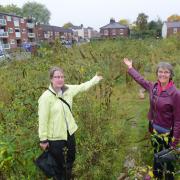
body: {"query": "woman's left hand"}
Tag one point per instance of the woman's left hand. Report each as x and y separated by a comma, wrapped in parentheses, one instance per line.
(100, 77)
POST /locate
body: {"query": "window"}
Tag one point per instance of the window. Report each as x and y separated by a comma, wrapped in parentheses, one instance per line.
(8, 18)
(121, 32)
(106, 32)
(10, 30)
(174, 30)
(113, 31)
(22, 20)
(12, 41)
(17, 30)
(16, 21)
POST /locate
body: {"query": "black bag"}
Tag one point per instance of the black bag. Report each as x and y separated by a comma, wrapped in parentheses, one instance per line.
(167, 155)
(47, 164)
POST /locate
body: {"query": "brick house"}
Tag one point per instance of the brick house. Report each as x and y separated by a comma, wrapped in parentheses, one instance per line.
(114, 29)
(14, 30)
(49, 33)
(170, 28)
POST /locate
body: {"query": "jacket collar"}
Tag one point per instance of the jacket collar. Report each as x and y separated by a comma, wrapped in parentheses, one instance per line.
(64, 88)
(169, 91)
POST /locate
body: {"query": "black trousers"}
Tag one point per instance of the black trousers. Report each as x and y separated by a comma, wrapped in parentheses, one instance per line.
(159, 144)
(64, 154)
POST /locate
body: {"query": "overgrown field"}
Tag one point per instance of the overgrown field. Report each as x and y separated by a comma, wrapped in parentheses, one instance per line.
(111, 116)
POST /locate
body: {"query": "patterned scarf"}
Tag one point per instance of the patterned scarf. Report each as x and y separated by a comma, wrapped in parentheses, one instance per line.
(160, 88)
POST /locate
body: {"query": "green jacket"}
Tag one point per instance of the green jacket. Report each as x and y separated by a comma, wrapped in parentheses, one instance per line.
(55, 117)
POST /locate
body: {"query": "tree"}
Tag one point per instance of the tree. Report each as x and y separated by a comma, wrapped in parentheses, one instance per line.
(124, 22)
(37, 11)
(12, 9)
(174, 17)
(142, 21)
(68, 25)
(2, 8)
(155, 27)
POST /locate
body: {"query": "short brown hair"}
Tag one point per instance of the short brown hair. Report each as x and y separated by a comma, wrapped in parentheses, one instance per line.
(167, 66)
(53, 69)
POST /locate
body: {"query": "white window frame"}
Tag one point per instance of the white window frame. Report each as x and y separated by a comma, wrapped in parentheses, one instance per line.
(9, 18)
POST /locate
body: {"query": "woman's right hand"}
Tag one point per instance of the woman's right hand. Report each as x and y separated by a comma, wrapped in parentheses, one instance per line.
(128, 62)
(44, 146)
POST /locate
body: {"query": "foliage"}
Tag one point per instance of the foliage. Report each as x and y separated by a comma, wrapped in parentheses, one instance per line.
(156, 26)
(124, 22)
(174, 17)
(37, 11)
(68, 25)
(142, 21)
(12, 8)
(111, 117)
(145, 29)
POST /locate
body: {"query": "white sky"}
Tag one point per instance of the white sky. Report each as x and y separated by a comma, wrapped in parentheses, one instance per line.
(97, 13)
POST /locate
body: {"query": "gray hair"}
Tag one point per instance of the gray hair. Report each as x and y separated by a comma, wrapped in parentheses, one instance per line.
(165, 65)
(53, 69)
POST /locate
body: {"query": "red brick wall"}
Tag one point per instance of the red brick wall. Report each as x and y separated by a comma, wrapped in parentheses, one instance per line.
(170, 31)
(115, 32)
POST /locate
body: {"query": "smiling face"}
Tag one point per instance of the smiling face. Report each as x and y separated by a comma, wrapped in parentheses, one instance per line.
(57, 80)
(163, 75)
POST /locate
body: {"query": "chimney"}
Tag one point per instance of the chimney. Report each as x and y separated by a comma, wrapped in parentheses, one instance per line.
(112, 20)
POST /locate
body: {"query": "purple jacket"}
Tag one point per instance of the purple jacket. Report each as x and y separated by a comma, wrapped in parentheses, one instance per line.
(164, 108)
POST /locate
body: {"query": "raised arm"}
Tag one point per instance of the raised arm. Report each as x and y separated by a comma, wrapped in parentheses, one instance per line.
(86, 85)
(136, 76)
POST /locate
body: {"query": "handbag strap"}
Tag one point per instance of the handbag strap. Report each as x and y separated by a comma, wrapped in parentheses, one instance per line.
(64, 101)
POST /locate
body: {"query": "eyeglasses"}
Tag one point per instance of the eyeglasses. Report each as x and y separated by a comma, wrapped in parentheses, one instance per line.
(58, 77)
(164, 72)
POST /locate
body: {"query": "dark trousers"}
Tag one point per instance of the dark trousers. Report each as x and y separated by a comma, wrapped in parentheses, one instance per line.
(159, 144)
(64, 154)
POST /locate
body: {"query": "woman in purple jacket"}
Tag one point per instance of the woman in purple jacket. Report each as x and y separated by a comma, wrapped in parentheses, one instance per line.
(164, 112)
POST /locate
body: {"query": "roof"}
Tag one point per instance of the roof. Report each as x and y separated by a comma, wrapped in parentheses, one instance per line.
(47, 27)
(76, 27)
(10, 14)
(173, 24)
(114, 25)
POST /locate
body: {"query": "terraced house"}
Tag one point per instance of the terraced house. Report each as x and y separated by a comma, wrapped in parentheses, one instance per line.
(49, 33)
(14, 30)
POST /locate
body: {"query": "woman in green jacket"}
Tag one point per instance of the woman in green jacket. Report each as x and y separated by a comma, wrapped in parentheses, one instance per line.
(56, 123)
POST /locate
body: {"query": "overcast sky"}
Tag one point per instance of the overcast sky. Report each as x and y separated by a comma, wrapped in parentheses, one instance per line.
(97, 13)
